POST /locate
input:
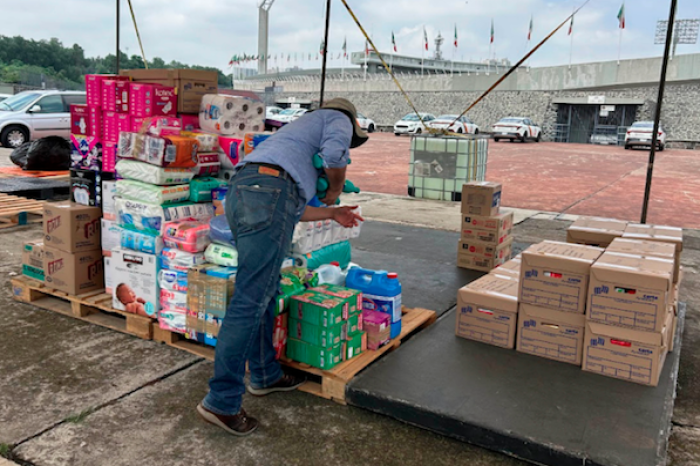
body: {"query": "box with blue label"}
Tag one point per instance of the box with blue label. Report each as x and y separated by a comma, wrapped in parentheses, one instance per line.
(631, 291)
(551, 334)
(481, 198)
(626, 354)
(487, 310)
(555, 275)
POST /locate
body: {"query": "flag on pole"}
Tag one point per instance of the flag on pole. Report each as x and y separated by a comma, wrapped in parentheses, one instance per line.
(323, 46)
(621, 16)
(456, 36)
(493, 32)
(230, 63)
(340, 54)
(571, 26)
(393, 41)
(425, 38)
(366, 47)
(345, 47)
(529, 31)
(288, 57)
(309, 57)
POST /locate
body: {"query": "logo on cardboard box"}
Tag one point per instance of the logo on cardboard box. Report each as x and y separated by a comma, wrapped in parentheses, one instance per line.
(601, 290)
(55, 266)
(133, 259)
(531, 274)
(92, 228)
(95, 269)
(52, 224)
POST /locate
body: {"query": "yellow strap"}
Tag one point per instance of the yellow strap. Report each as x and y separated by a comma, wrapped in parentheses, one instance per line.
(138, 36)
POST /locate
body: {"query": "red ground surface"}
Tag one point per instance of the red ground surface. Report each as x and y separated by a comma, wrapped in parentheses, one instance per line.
(567, 178)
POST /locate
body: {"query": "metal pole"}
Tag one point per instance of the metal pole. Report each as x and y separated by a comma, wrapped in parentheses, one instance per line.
(118, 9)
(325, 51)
(657, 112)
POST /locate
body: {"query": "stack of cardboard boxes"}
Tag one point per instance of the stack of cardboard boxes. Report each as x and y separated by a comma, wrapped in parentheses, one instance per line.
(486, 232)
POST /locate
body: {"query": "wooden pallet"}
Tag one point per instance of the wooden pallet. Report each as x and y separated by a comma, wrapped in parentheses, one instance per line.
(94, 307)
(326, 384)
(17, 210)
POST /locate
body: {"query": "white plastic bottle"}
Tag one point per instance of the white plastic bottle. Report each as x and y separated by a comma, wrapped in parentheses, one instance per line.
(330, 274)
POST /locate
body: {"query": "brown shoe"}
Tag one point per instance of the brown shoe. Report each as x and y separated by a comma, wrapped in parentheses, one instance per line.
(287, 383)
(239, 425)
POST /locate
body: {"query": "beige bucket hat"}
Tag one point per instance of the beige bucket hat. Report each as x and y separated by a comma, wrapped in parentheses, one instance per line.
(359, 137)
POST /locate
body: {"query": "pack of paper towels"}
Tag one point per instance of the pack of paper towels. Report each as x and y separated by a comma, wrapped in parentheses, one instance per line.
(231, 115)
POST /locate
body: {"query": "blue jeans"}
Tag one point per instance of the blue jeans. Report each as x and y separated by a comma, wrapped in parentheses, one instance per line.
(262, 212)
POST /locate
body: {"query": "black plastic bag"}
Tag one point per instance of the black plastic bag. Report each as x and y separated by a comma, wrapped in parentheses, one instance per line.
(51, 153)
(19, 155)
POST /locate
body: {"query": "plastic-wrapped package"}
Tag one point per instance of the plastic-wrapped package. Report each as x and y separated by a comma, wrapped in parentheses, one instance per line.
(173, 319)
(173, 280)
(175, 259)
(170, 298)
(152, 174)
(220, 231)
(207, 164)
(148, 217)
(190, 236)
(142, 242)
(218, 198)
(226, 256)
(207, 142)
(201, 188)
(152, 194)
(340, 252)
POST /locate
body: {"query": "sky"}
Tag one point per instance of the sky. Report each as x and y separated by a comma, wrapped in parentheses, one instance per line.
(210, 32)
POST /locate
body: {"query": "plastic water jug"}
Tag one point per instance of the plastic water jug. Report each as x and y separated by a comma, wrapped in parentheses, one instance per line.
(381, 291)
(331, 274)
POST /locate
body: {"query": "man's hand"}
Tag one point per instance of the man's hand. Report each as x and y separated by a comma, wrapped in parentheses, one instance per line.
(346, 216)
(331, 197)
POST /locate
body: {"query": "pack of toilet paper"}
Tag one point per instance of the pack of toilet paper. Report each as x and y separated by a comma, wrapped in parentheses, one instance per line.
(152, 174)
(153, 194)
(149, 217)
(231, 115)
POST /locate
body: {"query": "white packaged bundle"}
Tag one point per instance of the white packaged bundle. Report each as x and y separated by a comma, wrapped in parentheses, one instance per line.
(303, 238)
(151, 218)
(152, 194)
(131, 146)
(181, 261)
(225, 256)
(169, 298)
(230, 115)
(147, 173)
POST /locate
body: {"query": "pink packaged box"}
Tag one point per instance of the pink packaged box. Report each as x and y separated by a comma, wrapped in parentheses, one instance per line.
(190, 236)
(190, 121)
(123, 124)
(207, 164)
(378, 327)
(109, 122)
(93, 87)
(165, 101)
(173, 319)
(122, 99)
(80, 119)
(141, 100)
(164, 126)
(231, 149)
(109, 95)
(109, 156)
(95, 115)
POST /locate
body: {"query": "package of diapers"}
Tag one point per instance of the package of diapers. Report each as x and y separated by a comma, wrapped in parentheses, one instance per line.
(173, 280)
(140, 241)
(173, 319)
(150, 218)
(225, 256)
(190, 236)
(207, 142)
(151, 174)
(181, 261)
(220, 231)
(201, 188)
(170, 298)
(207, 164)
(152, 194)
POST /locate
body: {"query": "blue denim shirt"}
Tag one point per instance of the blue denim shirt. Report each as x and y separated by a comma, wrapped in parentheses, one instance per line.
(324, 132)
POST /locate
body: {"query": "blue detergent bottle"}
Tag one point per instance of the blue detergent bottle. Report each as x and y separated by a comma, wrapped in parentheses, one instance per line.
(381, 291)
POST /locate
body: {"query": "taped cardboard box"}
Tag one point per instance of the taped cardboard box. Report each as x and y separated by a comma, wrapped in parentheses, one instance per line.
(551, 334)
(626, 354)
(190, 85)
(595, 231)
(511, 267)
(316, 356)
(135, 282)
(661, 234)
(72, 227)
(481, 198)
(487, 310)
(484, 264)
(630, 291)
(495, 229)
(555, 275)
(73, 273)
(33, 260)
(318, 309)
(483, 249)
(647, 248)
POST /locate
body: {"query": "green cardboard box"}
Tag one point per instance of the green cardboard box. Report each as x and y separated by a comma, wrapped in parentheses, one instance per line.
(354, 346)
(316, 356)
(316, 335)
(352, 297)
(317, 308)
(290, 285)
(352, 326)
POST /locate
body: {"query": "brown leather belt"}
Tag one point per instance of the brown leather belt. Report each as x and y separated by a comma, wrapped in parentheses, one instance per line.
(270, 169)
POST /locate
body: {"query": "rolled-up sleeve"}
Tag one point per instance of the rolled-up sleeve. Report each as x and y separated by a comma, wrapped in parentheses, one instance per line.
(337, 135)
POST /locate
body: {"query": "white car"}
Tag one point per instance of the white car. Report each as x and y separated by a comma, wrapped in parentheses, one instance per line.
(461, 125)
(516, 129)
(289, 114)
(639, 134)
(5, 96)
(35, 114)
(411, 124)
(367, 124)
(272, 111)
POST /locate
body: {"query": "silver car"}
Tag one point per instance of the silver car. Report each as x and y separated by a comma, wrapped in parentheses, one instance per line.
(35, 114)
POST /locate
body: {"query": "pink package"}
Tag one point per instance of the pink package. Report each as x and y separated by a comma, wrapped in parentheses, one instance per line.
(109, 122)
(109, 95)
(171, 299)
(190, 236)
(231, 149)
(374, 322)
(95, 115)
(164, 101)
(93, 87)
(164, 126)
(173, 319)
(123, 123)
(207, 164)
(123, 89)
(141, 100)
(190, 121)
(109, 156)
(80, 119)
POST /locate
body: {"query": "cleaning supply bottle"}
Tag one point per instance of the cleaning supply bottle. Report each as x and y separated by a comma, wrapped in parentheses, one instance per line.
(331, 274)
(381, 291)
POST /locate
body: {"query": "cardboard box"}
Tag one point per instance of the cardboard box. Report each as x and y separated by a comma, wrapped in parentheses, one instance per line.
(353, 298)
(483, 249)
(353, 325)
(353, 346)
(135, 282)
(626, 354)
(511, 267)
(86, 187)
(318, 309)
(314, 334)
(495, 229)
(555, 275)
(487, 310)
(661, 234)
(73, 273)
(316, 356)
(630, 291)
(33, 260)
(595, 231)
(111, 237)
(108, 273)
(190, 85)
(71, 227)
(485, 263)
(280, 334)
(551, 334)
(481, 198)
(647, 249)
(206, 293)
(377, 325)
